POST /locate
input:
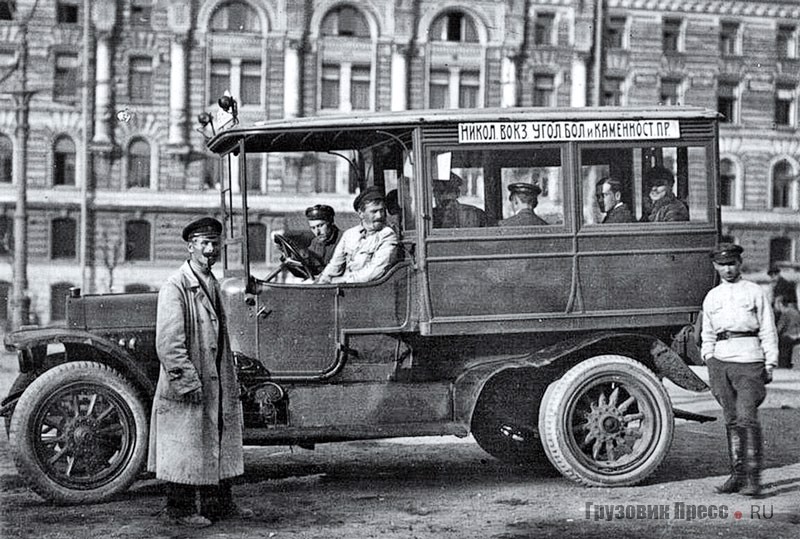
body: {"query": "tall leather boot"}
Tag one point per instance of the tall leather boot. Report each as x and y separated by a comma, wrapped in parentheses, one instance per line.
(753, 451)
(736, 458)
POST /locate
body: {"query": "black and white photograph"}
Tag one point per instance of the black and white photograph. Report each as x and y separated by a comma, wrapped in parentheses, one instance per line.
(412, 269)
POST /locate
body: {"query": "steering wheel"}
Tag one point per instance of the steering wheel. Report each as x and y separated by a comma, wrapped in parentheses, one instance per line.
(292, 259)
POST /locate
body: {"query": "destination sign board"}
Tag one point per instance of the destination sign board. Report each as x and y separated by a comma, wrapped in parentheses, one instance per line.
(558, 131)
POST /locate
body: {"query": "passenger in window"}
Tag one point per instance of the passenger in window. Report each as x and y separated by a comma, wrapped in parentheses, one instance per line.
(366, 250)
(664, 205)
(394, 216)
(326, 236)
(609, 199)
(449, 212)
(524, 198)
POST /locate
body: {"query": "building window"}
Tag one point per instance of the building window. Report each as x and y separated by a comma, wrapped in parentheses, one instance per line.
(6, 235)
(254, 167)
(468, 89)
(345, 21)
(6, 160)
(64, 161)
(63, 238)
(137, 240)
(141, 11)
(544, 29)
(330, 86)
(140, 76)
(65, 83)
(440, 89)
(727, 183)
(614, 35)
(729, 39)
(454, 26)
(235, 17)
(257, 242)
(727, 93)
(782, 185)
(785, 98)
(359, 87)
(220, 79)
(670, 92)
(67, 11)
(612, 91)
(5, 293)
(58, 300)
(543, 90)
(780, 250)
(7, 9)
(139, 164)
(786, 41)
(671, 35)
(251, 83)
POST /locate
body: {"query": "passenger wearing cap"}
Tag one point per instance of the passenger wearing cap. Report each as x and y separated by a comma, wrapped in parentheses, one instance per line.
(191, 447)
(366, 250)
(740, 347)
(524, 198)
(326, 236)
(664, 206)
(449, 212)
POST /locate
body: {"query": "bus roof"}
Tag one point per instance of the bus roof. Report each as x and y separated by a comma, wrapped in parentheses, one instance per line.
(282, 134)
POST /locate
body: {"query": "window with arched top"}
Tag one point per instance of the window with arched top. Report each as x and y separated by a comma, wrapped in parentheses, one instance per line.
(235, 17)
(454, 26)
(64, 161)
(139, 164)
(346, 21)
(782, 185)
(58, 300)
(727, 182)
(6, 159)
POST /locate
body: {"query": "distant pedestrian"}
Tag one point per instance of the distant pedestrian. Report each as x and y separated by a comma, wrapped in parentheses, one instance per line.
(788, 326)
(740, 347)
(782, 287)
(196, 424)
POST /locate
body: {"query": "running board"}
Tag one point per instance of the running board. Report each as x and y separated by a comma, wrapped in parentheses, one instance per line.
(691, 416)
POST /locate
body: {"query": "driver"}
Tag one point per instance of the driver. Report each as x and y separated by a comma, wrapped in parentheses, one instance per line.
(367, 249)
(326, 236)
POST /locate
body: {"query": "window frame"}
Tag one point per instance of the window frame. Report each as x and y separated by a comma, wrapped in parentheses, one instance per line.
(68, 11)
(136, 73)
(58, 156)
(675, 23)
(730, 39)
(130, 163)
(74, 252)
(148, 257)
(6, 160)
(66, 78)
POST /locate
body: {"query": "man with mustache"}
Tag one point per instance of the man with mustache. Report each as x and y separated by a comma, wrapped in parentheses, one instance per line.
(196, 424)
(366, 250)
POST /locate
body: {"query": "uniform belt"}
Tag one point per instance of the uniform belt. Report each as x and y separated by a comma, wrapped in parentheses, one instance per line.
(725, 335)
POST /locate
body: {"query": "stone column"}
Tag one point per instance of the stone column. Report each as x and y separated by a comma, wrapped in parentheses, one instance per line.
(578, 76)
(104, 16)
(508, 80)
(399, 79)
(179, 20)
(291, 80)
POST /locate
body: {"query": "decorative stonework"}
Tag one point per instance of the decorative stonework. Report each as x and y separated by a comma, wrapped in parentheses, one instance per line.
(104, 15)
(57, 123)
(788, 10)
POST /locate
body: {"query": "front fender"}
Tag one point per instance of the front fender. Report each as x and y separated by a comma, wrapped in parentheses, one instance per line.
(647, 349)
(32, 344)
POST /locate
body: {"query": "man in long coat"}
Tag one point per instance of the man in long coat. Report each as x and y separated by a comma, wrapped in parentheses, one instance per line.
(196, 424)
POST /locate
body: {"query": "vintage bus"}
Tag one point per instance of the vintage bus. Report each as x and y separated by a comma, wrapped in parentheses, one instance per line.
(546, 341)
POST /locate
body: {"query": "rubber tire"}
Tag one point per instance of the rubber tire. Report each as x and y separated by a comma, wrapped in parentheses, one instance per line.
(23, 439)
(20, 382)
(556, 436)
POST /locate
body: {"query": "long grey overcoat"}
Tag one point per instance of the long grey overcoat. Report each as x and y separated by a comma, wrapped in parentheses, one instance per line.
(188, 444)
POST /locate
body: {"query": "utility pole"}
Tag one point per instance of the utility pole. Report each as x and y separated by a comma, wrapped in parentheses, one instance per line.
(19, 299)
(597, 74)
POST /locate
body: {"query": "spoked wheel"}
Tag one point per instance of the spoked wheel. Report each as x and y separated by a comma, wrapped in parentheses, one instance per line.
(79, 433)
(607, 422)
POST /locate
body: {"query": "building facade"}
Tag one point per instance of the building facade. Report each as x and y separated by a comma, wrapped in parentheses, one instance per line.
(98, 101)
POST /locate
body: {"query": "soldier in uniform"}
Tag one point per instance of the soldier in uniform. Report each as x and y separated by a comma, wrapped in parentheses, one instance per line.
(740, 347)
(449, 212)
(524, 198)
(326, 236)
(664, 205)
(196, 424)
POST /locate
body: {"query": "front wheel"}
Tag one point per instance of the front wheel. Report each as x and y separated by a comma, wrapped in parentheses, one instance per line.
(607, 421)
(79, 433)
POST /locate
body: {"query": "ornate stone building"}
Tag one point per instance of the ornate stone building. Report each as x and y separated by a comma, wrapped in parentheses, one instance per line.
(98, 108)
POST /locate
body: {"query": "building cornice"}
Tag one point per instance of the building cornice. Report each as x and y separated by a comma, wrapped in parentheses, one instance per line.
(784, 9)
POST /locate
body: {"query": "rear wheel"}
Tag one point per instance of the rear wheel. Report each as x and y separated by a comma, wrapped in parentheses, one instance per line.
(79, 433)
(607, 421)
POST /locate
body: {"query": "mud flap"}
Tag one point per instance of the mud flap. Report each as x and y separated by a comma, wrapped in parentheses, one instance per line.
(670, 365)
